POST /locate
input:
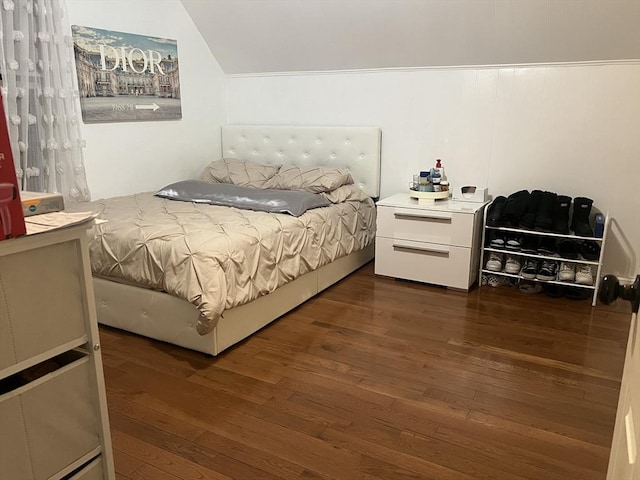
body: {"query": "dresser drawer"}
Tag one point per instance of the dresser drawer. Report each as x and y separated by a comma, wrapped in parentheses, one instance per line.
(41, 305)
(424, 262)
(49, 423)
(420, 224)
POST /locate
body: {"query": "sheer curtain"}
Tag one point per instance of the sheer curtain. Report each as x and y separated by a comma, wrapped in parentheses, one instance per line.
(39, 87)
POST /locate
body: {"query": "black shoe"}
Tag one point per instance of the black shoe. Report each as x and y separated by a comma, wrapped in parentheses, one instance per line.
(495, 212)
(568, 249)
(561, 214)
(496, 240)
(530, 288)
(514, 243)
(530, 244)
(530, 269)
(544, 217)
(580, 220)
(548, 246)
(548, 271)
(515, 207)
(528, 219)
(577, 293)
(554, 291)
(590, 250)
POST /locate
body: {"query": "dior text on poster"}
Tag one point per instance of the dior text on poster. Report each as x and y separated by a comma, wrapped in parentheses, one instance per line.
(124, 77)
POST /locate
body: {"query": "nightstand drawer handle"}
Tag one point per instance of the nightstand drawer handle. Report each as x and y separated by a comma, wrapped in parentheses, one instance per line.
(431, 215)
(422, 249)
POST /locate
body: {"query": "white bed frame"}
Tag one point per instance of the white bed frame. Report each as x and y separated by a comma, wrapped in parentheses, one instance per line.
(164, 317)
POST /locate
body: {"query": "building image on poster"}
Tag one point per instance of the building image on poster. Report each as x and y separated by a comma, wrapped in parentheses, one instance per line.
(125, 77)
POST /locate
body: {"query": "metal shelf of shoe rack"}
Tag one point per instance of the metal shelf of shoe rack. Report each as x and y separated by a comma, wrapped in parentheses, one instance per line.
(580, 260)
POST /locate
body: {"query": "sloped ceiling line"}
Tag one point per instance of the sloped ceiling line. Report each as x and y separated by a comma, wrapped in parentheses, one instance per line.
(260, 36)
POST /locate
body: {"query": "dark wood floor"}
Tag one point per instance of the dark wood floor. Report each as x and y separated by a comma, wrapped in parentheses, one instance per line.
(379, 379)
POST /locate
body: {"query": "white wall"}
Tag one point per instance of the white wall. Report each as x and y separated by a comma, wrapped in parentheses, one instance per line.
(123, 158)
(572, 129)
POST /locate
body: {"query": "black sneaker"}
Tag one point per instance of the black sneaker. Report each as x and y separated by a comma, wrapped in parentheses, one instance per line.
(554, 291)
(577, 293)
(497, 240)
(514, 243)
(568, 249)
(530, 244)
(548, 246)
(548, 271)
(590, 250)
(530, 269)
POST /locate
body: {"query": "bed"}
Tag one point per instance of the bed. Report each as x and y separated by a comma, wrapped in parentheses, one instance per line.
(143, 308)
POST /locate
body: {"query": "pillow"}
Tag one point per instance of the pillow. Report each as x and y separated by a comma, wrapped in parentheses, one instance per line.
(346, 193)
(238, 172)
(275, 201)
(311, 179)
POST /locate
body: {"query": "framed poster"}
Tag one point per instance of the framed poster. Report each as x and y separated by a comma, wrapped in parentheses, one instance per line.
(124, 77)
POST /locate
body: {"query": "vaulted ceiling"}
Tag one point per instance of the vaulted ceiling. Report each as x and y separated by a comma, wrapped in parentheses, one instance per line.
(253, 36)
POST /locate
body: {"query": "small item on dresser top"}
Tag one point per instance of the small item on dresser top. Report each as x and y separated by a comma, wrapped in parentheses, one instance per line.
(470, 193)
(424, 183)
(35, 203)
(444, 185)
(437, 187)
(439, 168)
(435, 176)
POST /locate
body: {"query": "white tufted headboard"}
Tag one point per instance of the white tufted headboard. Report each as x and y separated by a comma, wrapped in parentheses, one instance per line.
(357, 148)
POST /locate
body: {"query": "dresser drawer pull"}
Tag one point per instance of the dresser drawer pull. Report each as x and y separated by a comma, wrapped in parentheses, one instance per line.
(444, 251)
(428, 216)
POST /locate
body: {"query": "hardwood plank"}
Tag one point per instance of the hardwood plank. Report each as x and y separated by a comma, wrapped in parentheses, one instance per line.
(534, 359)
(149, 472)
(167, 423)
(191, 451)
(378, 379)
(414, 467)
(306, 451)
(125, 463)
(163, 460)
(537, 433)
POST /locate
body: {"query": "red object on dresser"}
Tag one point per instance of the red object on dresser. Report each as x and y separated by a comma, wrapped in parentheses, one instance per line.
(11, 216)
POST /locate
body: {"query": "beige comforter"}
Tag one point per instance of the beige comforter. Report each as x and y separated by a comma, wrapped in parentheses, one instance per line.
(220, 257)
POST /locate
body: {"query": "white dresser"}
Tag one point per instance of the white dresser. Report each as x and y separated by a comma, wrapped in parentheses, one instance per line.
(438, 244)
(53, 413)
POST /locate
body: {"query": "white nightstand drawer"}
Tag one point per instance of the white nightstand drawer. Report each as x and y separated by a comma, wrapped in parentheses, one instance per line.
(424, 225)
(424, 262)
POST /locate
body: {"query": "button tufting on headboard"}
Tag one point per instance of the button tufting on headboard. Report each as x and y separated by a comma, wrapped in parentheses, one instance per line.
(357, 148)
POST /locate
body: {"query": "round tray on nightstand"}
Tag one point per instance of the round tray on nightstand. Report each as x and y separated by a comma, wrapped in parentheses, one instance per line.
(428, 198)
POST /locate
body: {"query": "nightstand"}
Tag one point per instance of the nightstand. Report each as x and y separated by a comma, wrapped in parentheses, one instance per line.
(438, 244)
